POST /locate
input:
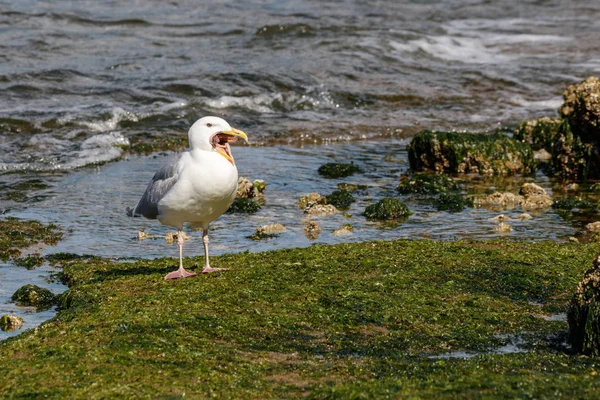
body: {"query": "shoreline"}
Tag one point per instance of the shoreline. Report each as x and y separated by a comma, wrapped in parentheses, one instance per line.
(327, 321)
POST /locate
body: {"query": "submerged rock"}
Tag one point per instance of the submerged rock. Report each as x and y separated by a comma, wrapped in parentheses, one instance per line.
(311, 230)
(451, 202)
(243, 205)
(501, 218)
(320, 210)
(344, 230)
(503, 228)
(387, 209)
(531, 197)
(310, 200)
(340, 199)
(335, 170)
(426, 183)
(524, 217)
(453, 152)
(267, 231)
(34, 296)
(9, 322)
(534, 197)
(499, 201)
(584, 313)
(172, 237)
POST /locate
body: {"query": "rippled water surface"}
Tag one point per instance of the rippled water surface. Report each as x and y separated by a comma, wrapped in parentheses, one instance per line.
(312, 81)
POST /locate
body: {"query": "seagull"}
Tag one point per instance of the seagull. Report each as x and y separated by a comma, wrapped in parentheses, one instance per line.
(196, 187)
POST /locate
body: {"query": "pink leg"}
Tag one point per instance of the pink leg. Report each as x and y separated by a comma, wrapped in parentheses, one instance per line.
(181, 272)
(207, 268)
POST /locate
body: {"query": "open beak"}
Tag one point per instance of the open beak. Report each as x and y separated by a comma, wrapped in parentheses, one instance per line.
(237, 133)
(222, 139)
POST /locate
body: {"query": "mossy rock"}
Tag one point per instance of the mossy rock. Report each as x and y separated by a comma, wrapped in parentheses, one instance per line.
(10, 323)
(341, 199)
(570, 203)
(581, 108)
(16, 234)
(572, 158)
(584, 313)
(427, 183)
(335, 170)
(29, 262)
(451, 202)
(34, 296)
(387, 209)
(242, 205)
(539, 134)
(486, 154)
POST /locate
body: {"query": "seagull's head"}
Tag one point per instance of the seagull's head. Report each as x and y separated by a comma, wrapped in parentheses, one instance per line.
(214, 134)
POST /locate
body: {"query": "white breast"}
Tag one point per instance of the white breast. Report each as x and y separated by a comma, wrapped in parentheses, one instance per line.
(206, 186)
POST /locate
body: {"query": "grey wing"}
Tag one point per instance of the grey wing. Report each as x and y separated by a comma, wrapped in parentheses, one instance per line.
(161, 183)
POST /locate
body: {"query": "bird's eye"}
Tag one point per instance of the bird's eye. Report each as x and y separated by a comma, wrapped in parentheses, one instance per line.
(209, 125)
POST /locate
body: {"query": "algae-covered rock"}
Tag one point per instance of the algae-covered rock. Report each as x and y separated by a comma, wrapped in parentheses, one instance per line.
(30, 262)
(344, 230)
(499, 201)
(311, 230)
(426, 183)
(251, 190)
(570, 203)
(340, 199)
(451, 202)
(267, 231)
(581, 108)
(320, 210)
(34, 296)
(534, 197)
(539, 133)
(242, 205)
(387, 209)
(584, 313)
(488, 155)
(572, 158)
(9, 322)
(335, 170)
(309, 200)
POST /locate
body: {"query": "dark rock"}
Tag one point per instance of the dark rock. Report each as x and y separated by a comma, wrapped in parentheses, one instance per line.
(584, 313)
(334, 170)
(341, 199)
(387, 209)
(34, 296)
(427, 183)
(10, 323)
(486, 154)
(451, 202)
(582, 109)
(242, 205)
(572, 158)
(539, 133)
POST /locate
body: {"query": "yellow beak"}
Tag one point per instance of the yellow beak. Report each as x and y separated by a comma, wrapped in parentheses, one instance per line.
(238, 133)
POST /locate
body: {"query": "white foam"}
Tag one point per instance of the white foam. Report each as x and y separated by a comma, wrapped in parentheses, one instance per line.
(117, 115)
(548, 104)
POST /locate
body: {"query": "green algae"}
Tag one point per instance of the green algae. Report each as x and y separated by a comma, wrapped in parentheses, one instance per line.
(539, 134)
(341, 199)
(584, 313)
(242, 205)
(337, 170)
(426, 183)
(451, 202)
(17, 234)
(34, 296)
(363, 320)
(486, 154)
(387, 209)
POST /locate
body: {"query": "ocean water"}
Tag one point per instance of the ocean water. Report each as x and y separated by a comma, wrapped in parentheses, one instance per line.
(309, 81)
